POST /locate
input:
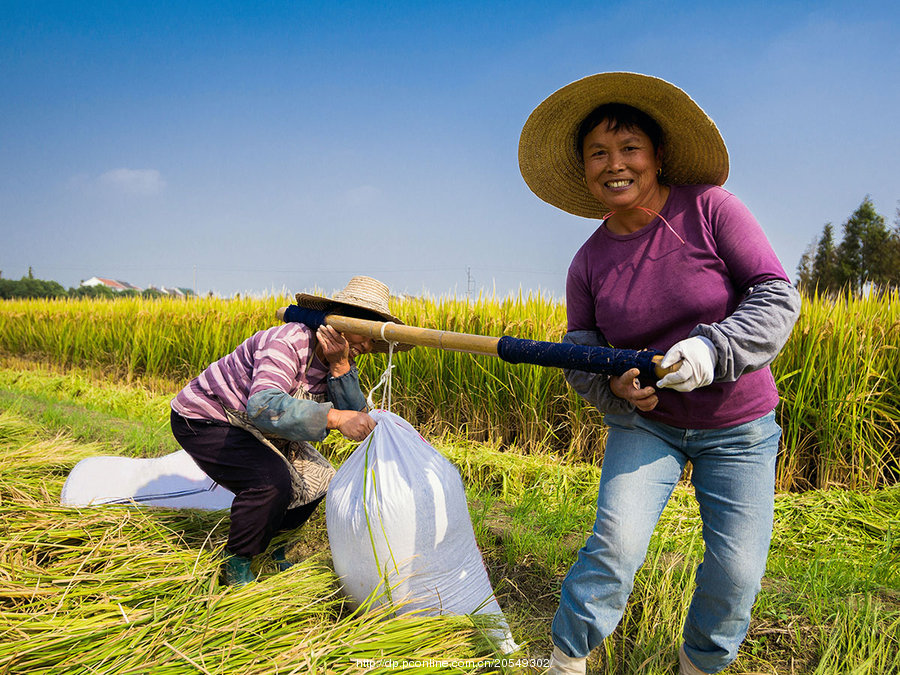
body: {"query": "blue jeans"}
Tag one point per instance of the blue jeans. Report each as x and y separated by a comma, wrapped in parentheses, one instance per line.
(734, 480)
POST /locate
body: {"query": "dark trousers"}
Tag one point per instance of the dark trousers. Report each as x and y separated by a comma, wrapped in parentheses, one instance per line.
(260, 481)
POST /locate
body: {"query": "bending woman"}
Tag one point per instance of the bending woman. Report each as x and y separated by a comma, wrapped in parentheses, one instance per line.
(248, 418)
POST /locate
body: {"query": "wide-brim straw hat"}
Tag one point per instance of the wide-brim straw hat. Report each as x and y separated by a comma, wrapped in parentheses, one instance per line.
(361, 293)
(693, 150)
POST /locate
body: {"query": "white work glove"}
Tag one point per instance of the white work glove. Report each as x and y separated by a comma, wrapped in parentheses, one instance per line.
(698, 364)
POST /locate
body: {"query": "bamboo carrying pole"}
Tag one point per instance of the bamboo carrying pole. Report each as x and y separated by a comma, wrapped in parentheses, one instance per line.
(438, 339)
(423, 337)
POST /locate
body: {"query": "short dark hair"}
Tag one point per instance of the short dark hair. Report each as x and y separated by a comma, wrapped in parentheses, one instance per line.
(618, 116)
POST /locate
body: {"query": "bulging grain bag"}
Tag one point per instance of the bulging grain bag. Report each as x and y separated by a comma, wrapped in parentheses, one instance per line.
(398, 522)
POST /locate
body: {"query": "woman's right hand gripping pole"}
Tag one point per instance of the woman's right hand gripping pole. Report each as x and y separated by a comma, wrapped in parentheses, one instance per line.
(628, 387)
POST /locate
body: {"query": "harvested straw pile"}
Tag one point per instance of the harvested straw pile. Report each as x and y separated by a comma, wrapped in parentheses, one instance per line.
(132, 590)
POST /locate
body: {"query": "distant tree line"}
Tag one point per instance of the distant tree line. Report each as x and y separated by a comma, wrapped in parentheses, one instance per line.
(867, 257)
(30, 287)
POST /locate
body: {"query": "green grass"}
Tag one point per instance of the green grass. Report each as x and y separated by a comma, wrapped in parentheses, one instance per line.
(113, 590)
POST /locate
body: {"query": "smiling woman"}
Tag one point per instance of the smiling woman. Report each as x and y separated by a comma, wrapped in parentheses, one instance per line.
(681, 266)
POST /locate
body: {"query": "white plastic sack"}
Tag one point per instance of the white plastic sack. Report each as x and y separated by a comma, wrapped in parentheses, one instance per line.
(173, 481)
(398, 519)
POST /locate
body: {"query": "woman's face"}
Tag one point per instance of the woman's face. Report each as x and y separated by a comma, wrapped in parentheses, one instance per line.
(620, 168)
(359, 344)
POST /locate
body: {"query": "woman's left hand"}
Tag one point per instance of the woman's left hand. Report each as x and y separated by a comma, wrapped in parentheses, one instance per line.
(335, 349)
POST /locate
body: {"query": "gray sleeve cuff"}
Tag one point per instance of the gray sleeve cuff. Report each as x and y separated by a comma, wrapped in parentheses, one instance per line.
(755, 332)
(275, 412)
(344, 391)
(593, 387)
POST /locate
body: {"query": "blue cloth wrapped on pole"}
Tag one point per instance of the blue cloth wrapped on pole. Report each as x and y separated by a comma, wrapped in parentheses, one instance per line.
(604, 360)
(312, 318)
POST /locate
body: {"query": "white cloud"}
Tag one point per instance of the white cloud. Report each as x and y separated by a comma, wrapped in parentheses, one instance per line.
(133, 181)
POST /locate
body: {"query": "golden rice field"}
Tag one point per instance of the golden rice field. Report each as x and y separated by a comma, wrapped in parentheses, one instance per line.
(127, 590)
(839, 374)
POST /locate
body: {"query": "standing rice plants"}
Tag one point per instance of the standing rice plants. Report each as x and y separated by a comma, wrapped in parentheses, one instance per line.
(164, 337)
(839, 373)
(840, 406)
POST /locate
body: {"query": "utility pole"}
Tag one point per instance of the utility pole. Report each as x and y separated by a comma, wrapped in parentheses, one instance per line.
(470, 283)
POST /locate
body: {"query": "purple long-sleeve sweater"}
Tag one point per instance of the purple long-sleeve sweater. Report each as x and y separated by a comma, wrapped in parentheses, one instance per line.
(656, 286)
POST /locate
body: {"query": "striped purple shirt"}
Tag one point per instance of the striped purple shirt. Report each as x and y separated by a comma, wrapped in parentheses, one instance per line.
(281, 358)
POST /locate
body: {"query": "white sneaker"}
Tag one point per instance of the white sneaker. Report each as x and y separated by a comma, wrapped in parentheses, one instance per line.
(685, 666)
(563, 664)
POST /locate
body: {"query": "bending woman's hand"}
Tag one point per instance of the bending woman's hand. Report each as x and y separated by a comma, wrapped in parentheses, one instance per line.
(628, 387)
(352, 424)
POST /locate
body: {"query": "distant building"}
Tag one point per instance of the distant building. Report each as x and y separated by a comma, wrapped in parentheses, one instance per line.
(117, 286)
(174, 292)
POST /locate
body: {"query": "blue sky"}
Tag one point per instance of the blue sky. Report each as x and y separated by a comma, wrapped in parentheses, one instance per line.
(253, 147)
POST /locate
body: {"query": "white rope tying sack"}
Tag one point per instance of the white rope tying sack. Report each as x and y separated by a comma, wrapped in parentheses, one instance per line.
(386, 378)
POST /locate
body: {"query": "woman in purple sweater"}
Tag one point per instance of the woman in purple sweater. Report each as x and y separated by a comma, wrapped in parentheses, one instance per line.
(680, 265)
